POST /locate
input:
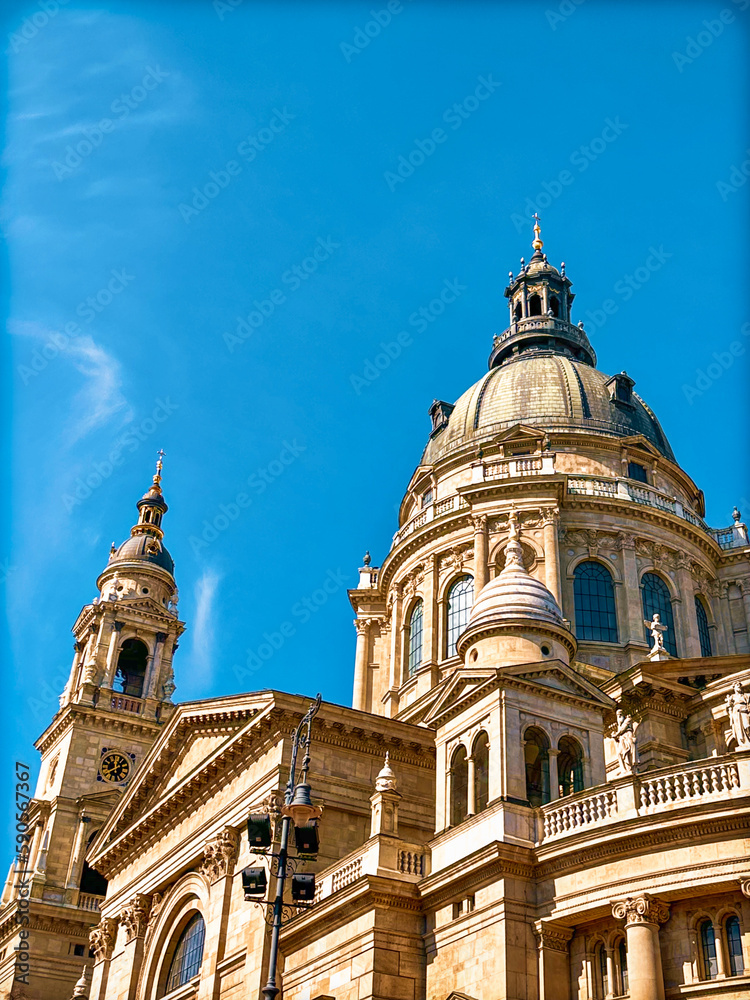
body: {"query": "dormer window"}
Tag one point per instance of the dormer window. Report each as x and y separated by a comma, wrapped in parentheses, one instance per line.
(621, 389)
(440, 413)
(637, 472)
(427, 497)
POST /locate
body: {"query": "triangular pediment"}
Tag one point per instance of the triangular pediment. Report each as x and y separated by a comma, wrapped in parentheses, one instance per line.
(460, 687)
(638, 442)
(197, 741)
(524, 431)
(144, 605)
(459, 996)
(557, 676)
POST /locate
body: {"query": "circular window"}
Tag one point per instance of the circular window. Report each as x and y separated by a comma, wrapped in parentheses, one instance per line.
(119, 589)
(145, 590)
(546, 650)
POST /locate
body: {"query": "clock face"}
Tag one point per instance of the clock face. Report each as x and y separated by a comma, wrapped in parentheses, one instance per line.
(114, 766)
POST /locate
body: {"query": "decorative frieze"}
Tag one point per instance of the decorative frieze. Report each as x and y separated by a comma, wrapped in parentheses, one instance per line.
(102, 938)
(220, 854)
(643, 909)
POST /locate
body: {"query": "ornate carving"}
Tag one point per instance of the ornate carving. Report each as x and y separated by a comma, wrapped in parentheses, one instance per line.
(643, 909)
(134, 917)
(220, 854)
(102, 938)
(625, 540)
(553, 937)
(455, 558)
(479, 521)
(624, 737)
(386, 779)
(745, 886)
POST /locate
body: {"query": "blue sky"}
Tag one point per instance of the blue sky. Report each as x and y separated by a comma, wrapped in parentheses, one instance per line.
(207, 240)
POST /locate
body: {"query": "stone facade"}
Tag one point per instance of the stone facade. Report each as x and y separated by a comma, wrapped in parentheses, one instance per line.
(526, 800)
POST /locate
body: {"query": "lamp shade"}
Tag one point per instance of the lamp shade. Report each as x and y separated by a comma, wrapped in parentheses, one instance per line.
(301, 808)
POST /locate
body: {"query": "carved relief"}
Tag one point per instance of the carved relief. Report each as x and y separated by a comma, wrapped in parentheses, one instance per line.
(455, 559)
(134, 917)
(553, 937)
(643, 909)
(102, 938)
(220, 854)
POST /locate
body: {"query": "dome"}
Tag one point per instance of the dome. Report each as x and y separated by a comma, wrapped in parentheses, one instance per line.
(550, 390)
(145, 548)
(514, 594)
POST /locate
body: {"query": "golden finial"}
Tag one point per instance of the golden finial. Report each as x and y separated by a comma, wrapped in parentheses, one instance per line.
(537, 242)
(159, 463)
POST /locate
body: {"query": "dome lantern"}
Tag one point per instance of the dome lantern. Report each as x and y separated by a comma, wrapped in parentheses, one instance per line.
(539, 300)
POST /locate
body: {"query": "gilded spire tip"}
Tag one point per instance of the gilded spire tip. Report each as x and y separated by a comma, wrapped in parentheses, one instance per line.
(537, 243)
(159, 465)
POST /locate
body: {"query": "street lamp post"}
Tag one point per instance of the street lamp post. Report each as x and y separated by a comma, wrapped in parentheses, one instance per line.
(297, 811)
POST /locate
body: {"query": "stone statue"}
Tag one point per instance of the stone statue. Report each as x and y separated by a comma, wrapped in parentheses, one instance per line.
(657, 630)
(624, 737)
(738, 709)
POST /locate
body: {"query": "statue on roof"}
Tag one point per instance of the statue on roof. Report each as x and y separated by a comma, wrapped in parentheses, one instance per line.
(624, 737)
(738, 709)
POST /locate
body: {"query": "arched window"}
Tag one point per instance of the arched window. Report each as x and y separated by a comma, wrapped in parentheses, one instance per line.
(703, 633)
(188, 955)
(92, 883)
(536, 758)
(594, 593)
(480, 754)
(517, 311)
(460, 600)
(622, 954)
(602, 974)
(570, 765)
(554, 305)
(708, 950)
(734, 946)
(416, 619)
(459, 786)
(535, 306)
(131, 668)
(655, 599)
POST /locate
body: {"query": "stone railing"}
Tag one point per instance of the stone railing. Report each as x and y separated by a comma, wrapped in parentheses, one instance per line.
(384, 856)
(714, 779)
(439, 508)
(122, 703)
(513, 468)
(698, 781)
(641, 493)
(87, 901)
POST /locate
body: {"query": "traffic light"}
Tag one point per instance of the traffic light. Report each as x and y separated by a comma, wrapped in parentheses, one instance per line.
(303, 888)
(254, 882)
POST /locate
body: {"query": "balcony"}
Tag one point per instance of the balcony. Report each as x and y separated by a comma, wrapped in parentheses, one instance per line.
(384, 856)
(640, 493)
(87, 901)
(436, 510)
(715, 779)
(124, 703)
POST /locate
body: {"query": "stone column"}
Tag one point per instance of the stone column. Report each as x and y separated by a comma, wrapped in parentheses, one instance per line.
(726, 618)
(690, 638)
(721, 969)
(610, 972)
(134, 918)
(552, 553)
(430, 653)
(554, 780)
(632, 629)
(642, 915)
(152, 675)
(397, 645)
(471, 796)
(361, 655)
(480, 553)
(109, 673)
(553, 941)
(76, 858)
(219, 858)
(102, 940)
(744, 586)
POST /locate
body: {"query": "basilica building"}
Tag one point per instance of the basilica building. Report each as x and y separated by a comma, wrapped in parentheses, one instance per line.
(541, 790)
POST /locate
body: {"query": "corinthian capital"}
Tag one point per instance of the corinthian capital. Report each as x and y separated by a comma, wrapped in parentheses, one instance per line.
(643, 909)
(102, 938)
(134, 916)
(479, 521)
(220, 854)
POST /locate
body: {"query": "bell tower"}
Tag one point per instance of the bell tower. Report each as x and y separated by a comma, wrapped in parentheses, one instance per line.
(117, 698)
(125, 638)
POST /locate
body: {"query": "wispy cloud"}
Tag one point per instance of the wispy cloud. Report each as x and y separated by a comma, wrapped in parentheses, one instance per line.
(101, 396)
(202, 651)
